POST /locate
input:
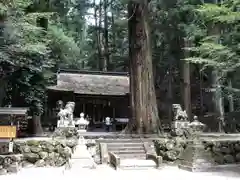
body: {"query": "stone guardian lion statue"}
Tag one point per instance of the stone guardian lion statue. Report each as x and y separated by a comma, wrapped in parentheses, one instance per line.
(66, 115)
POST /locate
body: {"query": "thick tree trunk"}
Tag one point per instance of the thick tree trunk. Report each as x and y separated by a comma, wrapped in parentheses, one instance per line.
(143, 98)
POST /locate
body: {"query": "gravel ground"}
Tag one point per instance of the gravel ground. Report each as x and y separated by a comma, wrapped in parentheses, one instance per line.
(104, 172)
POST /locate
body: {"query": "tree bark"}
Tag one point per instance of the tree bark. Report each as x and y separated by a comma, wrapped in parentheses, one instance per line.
(113, 29)
(142, 90)
(218, 100)
(170, 93)
(106, 49)
(97, 34)
(186, 80)
(230, 96)
(37, 125)
(100, 45)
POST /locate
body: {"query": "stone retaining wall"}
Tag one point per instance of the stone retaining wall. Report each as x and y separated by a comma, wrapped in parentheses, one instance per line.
(37, 153)
(223, 152)
(9, 163)
(53, 151)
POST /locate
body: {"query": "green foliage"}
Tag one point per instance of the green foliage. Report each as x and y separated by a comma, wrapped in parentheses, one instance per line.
(35, 53)
(64, 47)
(218, 14)
(215, 55)
(26, 48)
(218, 51)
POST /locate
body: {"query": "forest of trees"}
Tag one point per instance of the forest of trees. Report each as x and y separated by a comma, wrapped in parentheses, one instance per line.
(177, 51)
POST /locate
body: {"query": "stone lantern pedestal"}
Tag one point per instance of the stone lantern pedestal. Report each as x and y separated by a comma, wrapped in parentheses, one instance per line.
(195, 157)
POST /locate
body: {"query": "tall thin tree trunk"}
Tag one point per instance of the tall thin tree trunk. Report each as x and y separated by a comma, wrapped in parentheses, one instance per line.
(216, 83)
(102, 62)
(218, 100)
(170, 93)
(37, 125)
(186, 79)
(97, 35)
(201, 92)
(113, 28)
(216, 75)
(142, 81)
(230, 96)
(106, 49)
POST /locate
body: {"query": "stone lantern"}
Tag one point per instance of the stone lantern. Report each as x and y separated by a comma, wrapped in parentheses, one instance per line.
(195, 157)
(196, 128)
(82, 123)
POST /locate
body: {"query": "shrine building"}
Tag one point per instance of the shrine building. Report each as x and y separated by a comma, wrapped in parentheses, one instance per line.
(97, 94)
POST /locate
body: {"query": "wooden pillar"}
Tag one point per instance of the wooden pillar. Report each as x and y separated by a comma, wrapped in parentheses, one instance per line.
(93, 116)
(186, 78)
(84, 108)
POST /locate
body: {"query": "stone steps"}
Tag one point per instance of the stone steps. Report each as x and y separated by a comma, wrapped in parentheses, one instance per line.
(128, 151)
(132, 156)
(125, 144)
(119, 140)
(127, 148)
(132, 152)
(134, 148)
(136, 164)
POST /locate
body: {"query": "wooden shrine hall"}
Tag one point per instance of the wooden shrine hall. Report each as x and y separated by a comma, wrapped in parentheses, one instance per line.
(97, 94)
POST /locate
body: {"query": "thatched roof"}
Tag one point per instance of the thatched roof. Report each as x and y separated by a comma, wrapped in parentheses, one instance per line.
(92, 83)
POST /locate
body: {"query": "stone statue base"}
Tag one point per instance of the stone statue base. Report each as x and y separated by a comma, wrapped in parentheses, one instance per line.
(180, 124)
(178, 128)
(82, 130)
(195, 158)
(63, 124)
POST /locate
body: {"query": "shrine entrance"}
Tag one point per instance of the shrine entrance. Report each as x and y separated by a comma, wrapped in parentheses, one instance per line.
(95, 109)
